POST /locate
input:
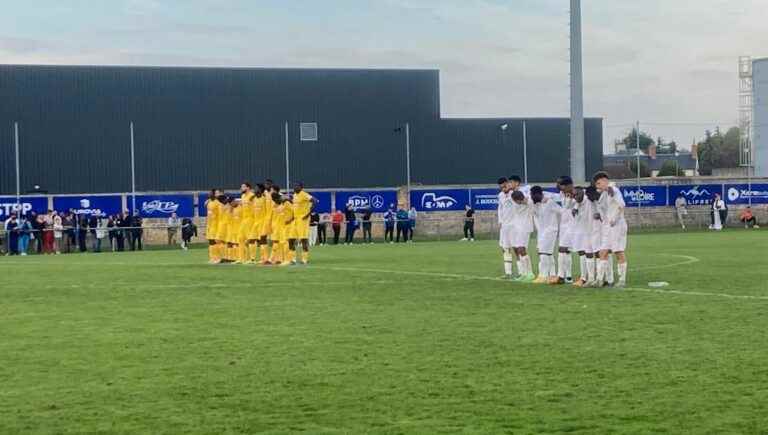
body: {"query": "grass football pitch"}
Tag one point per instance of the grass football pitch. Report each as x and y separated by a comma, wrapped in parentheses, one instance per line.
(420, 338)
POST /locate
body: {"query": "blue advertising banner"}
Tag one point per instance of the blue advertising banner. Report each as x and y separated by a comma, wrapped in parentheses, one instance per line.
(378, 200)
(440, 199)
(699, 194)
(323, 201)
(9, 206)
(645, 196)
(99, 205)
(485, 199)
(163, 206)
(743, 193)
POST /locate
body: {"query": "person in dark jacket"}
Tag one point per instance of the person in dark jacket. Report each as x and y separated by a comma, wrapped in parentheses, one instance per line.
(367, 225)
(188, 230)
(12, 231)
(137, 232)
(122, 222)
(402, 224)
(351, 218)
(82, 232)
(389, 224)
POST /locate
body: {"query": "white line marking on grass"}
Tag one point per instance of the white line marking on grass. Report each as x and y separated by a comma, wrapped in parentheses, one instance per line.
(688, 260)
(694, 293)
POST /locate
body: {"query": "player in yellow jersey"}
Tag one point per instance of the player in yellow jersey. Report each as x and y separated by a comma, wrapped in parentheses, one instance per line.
(255, 238)
(246, 224)
(282, 217)
(225, 230)
(303, 204)
(266, 231)
(213, 207)
(235, 222)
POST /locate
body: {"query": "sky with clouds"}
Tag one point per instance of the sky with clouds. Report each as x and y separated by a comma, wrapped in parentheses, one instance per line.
(671, 64)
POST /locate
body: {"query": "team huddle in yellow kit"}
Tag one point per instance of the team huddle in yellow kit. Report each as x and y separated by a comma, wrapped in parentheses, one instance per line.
(261, 221)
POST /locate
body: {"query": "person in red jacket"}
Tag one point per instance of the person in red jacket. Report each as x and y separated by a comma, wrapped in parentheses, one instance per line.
(336, 219)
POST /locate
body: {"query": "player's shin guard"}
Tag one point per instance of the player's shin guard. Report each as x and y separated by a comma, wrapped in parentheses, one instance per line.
(583, 267)
(591, 271)
(602, 268)
(525, 262)
(609, 270)
(543, 266)
(623, 272)
(508, 259)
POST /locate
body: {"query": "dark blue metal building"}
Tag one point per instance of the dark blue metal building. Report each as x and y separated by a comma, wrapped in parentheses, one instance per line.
(195, 128)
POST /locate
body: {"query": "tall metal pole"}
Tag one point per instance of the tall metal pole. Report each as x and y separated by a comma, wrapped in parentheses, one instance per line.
(18, 172)
(525, 153)
(408, 160)
(749, 179)
(133, 172)
(639, 202)
(577, 96)
(287, 160)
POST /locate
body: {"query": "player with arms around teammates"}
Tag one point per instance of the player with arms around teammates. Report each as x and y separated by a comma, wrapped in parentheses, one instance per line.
(545, 218)
(303, 204)
(614, 229)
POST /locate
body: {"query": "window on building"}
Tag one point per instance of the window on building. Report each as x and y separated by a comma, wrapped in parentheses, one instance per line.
(308, 131)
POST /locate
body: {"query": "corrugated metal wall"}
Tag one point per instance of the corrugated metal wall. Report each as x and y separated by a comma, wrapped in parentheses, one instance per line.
(202, 127)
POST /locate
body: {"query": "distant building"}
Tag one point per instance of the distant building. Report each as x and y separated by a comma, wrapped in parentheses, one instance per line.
(618, 165)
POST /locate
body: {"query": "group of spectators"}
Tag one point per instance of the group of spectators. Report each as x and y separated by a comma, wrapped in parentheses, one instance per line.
(718, 213)
(399, 225)
(56, 232)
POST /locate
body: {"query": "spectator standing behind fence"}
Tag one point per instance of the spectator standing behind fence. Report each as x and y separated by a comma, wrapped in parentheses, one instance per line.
(25, 233)
(314, 221)
(411, 223)
(82, 232)
(681, 208)
(48, 236)
(121, 223)
(748, 218)
(336, 220)
(389, 224)
(137, 232)
(173, 228)
(36, 231)
(469, 224)
(69, 231)
(322, 226)
(58, 233)
(188, 230)
(402, 224)
(102, 230)
(719, 213)
(12, 234)
(367, 225)
(351, 218)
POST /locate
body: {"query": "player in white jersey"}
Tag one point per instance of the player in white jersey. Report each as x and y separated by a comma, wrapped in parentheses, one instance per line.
(545, 218)
(596, 238)
(506, 229)
(583, 213)
(565, 236)
(522, 221)
(614, 235)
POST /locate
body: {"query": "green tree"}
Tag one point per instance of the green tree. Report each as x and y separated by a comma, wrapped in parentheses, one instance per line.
(669, 169)
(630, 141)
(644, 172)
(719, 150)
(663, 147)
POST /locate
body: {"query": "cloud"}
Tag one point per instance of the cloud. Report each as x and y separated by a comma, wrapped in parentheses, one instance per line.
(655, 60)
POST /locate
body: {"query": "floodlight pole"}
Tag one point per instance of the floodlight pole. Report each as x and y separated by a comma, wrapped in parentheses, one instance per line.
(18, 177)
(408, 160)
(133, 172)
(639, 202)
(578, 168)
(525, 153)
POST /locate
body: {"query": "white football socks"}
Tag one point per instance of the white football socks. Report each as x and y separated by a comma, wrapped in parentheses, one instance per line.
(508, 260)
(525, 262)
(602, 267)
(591, 272)
(623, 272)
(583, 267)
(609, 270)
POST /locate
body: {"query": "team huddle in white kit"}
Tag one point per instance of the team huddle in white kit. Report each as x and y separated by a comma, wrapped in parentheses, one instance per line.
(584, 220)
